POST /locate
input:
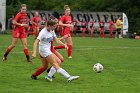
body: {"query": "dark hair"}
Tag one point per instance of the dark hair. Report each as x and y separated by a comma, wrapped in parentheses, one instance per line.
(51, 23)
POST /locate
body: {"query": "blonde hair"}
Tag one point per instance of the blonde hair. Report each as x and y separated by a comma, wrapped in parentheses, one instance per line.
(23, 5)
(66, 7)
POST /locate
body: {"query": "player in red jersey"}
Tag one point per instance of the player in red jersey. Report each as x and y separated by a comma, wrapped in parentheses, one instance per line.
(66, 23)
(19, 32)
(111, 24)
(84, 27)
(101, 29)
(92, 28)
(35, 23)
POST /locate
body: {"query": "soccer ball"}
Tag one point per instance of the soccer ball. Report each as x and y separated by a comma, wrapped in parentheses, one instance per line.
(97, 67)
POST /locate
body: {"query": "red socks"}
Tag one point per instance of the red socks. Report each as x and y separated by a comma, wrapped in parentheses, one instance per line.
(39, 71)
(26, 51)
(59, 47)
(7, 52)
(27, 54)
(69, 51)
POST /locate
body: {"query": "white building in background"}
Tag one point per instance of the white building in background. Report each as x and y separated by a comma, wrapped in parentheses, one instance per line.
(3, 14)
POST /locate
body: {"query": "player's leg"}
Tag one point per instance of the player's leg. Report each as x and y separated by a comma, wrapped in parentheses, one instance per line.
(60, 46)
(26, 51)
(40, 69)
(91, 32)
(51, 69)
(14, 42)
(52, 60)
(116, 34)
(70, 44)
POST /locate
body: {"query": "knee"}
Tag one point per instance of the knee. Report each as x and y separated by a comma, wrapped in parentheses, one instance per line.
(62, 60)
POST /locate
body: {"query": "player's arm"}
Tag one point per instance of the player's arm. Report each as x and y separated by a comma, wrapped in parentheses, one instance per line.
(68, 25)
(35, 48)
(33, 21)
(60, 42)
(17, 17)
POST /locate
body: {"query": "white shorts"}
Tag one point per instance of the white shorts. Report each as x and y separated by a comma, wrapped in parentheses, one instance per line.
(45, 53)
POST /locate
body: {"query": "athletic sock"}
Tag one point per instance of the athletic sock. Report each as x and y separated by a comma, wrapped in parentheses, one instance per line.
(69, 51)
(7, 52)
(26, 52)
(59, 47)
(63, 72)
(39, 71)
(52, 71)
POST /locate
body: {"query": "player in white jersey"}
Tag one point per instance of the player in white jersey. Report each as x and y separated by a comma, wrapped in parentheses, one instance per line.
(44, 39)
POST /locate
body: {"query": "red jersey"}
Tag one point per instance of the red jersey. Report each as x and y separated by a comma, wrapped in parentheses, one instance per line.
(36, 19)
(20, 18)
(66, 20)
(101, 24)
(84, 24)
(92, 24)
(111, 25)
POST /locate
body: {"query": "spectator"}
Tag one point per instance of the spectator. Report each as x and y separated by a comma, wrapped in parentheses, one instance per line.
(101, 29)
(118, 28)
(92, 28)
(111, 24)
(75, 22)
(84, 27)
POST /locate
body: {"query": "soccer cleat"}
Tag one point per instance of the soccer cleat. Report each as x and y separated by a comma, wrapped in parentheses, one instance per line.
(48, 78)
(33, 77)
(4, 58)
(29, 60)
(71, 78)
(70, 57)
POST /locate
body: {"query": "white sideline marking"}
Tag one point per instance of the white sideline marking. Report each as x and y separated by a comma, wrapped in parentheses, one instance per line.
(84, 48)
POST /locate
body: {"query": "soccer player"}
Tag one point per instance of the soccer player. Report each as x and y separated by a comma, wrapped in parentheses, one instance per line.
(35, 23)
(66, 23)
(19, 32)
(44, 39)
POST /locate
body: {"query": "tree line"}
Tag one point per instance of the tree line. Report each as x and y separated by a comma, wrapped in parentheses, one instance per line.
(130, 7)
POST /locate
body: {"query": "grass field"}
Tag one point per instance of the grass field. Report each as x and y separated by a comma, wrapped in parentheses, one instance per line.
(120, 58)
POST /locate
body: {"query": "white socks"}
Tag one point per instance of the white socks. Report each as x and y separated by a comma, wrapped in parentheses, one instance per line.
(63, 72)
(52, 71)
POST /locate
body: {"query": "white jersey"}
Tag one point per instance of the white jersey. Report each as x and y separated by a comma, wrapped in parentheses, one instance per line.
(45, 37)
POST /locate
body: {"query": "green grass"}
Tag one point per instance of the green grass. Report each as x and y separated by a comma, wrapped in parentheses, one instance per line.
(120, 58)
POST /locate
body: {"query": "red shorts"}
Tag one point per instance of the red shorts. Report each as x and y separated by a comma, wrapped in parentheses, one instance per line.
(34, 27)
(102, 29)
(18, 34)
